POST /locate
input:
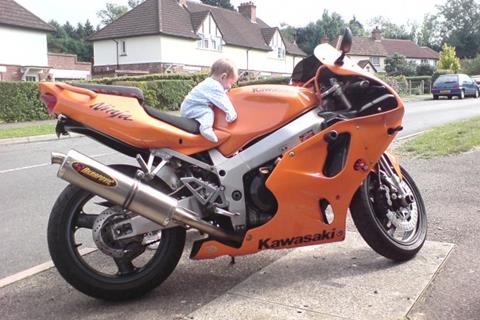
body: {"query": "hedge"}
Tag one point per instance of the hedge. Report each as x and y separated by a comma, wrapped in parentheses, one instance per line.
(162, 94)
(152, 77)
(20, 102)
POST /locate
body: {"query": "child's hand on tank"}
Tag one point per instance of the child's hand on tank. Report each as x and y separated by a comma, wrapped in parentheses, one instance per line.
(230, 117)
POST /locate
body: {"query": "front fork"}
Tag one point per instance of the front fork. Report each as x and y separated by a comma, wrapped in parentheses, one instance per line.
(390, 165)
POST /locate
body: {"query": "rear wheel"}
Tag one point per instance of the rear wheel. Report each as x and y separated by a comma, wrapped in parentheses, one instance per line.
(119, 269)
(435, 97)
(394, 227)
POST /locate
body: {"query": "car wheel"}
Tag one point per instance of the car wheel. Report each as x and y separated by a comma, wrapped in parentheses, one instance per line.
(449, 97)
(435, 97)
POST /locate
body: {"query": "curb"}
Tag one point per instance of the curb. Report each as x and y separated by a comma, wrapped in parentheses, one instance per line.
(46, 137)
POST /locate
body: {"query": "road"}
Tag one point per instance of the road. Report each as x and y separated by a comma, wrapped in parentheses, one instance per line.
(29, 186)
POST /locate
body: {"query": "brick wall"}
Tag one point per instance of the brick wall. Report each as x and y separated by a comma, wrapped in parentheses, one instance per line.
(67, 62)
(13, 74)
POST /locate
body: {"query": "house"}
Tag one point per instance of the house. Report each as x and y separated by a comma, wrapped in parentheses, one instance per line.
(367, 66)
(183, 36)
(24, 55)
(376, 49)
(24, 43)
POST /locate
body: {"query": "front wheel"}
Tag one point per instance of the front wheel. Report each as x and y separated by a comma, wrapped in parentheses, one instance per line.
(393, 225)
(118, 269)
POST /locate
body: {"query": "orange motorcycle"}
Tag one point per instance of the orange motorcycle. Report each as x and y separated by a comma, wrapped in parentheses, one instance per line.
(283, 175)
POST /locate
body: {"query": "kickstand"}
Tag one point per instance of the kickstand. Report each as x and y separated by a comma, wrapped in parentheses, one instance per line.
(233, 260)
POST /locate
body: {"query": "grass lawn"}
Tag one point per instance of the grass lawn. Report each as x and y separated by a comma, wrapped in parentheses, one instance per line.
(27, 131)
(445, 140)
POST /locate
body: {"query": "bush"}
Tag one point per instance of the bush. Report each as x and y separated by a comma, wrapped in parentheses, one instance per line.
(162, 94)
(440, 72)
(20, 102)
(398, 65)
(425, 69)
(152, 77)
(471, 66)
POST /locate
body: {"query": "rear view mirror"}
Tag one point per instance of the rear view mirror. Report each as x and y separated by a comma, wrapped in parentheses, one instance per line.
(345, 45)
(346, 41)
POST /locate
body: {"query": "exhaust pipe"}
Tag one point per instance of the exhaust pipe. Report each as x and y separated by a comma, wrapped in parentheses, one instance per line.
(132, 194)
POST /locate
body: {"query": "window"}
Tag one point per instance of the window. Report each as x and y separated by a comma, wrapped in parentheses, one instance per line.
(210, 36)
(31, 78)
(123, 48)
(210, 43)
(424, 61)
(280, 53)
(375, 61)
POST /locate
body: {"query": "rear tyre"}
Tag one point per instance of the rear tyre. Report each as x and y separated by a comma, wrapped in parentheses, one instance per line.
(109, 276)
(399, 238)
(449, 97)
(435, 97)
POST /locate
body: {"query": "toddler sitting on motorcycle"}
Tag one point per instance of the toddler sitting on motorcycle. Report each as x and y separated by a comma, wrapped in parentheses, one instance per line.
(210, 92)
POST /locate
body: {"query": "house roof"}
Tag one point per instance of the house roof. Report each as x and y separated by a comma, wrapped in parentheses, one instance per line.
(366, 46)
(409, 49)
(13, 14)
(364, 63)
(169, 18)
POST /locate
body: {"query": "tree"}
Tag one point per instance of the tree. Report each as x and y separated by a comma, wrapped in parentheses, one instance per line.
(391, 30)
(356, 27)
(448, 59)
(398, 65)
(288, 32)
(425, 69)
(67, 39)
(111, 13)
(471, 66)
(88, 29)
(219, 3)
(133, 3)
(331, 25)
(458, 22)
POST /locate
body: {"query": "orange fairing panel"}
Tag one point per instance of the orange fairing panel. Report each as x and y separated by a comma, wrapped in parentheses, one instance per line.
(124, 119)
(298, 184)
(261, 109)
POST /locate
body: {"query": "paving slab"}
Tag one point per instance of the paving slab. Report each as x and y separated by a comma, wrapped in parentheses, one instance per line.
(344, 280)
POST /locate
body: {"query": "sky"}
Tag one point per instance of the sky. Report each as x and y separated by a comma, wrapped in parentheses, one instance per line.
(294, 12)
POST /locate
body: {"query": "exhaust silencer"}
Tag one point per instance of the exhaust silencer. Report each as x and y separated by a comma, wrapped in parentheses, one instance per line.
(132, 194)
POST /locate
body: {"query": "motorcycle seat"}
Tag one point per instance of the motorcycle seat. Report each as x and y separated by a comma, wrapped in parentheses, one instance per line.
(189, 125)
(185, 124)
(114, 90)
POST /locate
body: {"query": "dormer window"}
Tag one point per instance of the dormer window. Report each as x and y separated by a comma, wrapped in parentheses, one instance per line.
(210, 36)
(277, 45)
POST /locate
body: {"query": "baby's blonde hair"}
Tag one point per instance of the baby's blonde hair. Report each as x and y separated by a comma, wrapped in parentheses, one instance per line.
(223, 66)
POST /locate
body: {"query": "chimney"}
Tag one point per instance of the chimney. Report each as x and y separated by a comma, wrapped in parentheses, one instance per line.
(248, 10)
(325, 39)
(377, 34)
(182, 3)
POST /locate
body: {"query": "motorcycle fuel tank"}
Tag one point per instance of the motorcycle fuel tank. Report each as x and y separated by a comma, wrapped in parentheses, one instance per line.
(261, 109)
